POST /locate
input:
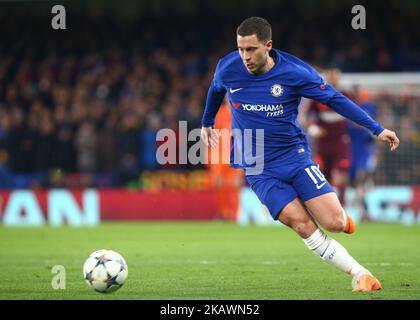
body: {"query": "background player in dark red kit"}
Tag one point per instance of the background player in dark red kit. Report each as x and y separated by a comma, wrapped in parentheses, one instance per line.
(329, 132)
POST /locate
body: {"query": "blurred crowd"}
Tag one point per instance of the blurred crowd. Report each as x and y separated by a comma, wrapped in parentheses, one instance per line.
(91, 99)
(402, 113)
(89, 104)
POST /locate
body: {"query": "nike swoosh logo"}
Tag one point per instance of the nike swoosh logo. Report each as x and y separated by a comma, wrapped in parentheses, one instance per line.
(321, 185)
(234, 90)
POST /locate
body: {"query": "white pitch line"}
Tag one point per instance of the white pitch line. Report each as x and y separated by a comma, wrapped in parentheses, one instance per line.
(388, 264)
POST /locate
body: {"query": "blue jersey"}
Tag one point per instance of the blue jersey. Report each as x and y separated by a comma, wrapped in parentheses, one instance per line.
(270, 102)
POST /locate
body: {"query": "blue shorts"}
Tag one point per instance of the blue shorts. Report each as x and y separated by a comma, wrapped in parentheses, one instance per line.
(278, 185)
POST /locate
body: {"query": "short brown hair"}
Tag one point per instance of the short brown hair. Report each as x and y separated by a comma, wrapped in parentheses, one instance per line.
(255, 25)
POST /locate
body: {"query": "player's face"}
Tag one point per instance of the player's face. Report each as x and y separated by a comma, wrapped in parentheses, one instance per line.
(254, 53)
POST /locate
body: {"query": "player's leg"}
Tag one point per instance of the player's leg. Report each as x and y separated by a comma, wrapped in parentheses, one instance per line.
(321, 200)
(328, 212)
(295, 216)
(281, 200)
(322, 203)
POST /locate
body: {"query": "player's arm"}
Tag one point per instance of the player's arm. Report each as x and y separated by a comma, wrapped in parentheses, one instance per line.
(347, 108)
(215, 96)
(314, 87)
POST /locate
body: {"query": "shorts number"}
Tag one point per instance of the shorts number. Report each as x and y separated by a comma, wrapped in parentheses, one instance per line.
(317, 172)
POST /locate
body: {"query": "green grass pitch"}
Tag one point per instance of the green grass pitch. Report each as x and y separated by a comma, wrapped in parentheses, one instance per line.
(210, 260)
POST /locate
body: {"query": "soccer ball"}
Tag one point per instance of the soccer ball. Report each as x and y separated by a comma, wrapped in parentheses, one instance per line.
(105, 270)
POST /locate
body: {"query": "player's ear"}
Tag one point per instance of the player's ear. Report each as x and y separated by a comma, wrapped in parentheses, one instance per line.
(269, 45)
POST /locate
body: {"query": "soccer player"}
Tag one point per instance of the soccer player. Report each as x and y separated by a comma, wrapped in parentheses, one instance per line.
(264, 88)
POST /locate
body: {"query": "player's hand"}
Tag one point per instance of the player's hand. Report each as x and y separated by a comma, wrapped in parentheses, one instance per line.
(390, 137)
(209, 136)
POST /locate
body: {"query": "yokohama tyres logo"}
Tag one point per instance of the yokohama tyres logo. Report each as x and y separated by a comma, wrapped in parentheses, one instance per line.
(270, 109)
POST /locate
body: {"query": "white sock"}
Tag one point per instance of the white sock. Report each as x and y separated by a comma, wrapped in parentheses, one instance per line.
(333, 253)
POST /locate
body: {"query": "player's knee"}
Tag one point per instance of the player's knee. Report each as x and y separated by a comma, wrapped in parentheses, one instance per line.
(336, 224)
(304, 228)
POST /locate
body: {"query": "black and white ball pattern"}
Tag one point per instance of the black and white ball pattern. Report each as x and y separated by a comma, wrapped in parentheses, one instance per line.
(105, 270)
